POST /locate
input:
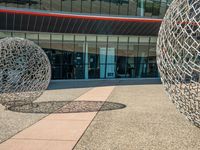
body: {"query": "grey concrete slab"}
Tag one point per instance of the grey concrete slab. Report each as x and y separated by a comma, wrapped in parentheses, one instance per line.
(72, 84)
(149, 122)
(62, 94)
(14, 122)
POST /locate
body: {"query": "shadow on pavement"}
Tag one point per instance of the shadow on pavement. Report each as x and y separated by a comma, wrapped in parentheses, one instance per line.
(66, 107)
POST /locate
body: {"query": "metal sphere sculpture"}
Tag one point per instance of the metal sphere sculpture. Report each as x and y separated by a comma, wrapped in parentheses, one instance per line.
(178, 56)
(24, 71)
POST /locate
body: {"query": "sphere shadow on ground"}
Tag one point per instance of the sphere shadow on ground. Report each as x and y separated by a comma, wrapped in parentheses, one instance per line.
(66, 107)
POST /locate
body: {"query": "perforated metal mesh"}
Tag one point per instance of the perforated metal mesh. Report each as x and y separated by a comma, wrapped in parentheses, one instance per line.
(24, 71)
(178, 56)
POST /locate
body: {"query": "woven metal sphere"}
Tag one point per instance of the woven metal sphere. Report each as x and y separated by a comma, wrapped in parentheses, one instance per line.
(24, 71)
(178, 56)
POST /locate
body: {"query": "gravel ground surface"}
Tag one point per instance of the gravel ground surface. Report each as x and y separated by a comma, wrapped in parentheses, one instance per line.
(13, 122)
(139, 117)
(148, 122)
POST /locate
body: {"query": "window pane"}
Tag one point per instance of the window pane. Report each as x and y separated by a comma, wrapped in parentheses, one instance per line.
(44, 40)
(56, 41)
(102, 39)
(24, 4)
(56, 5)
(163, 9)
(152, 51)
(67, 5)
(76, 5)
(149, 8)
(18, 34)
(132, 59)
(79, 60)
(152, 70)
(86, 6)
(144, 40)
(141, 69)
(102, 49)
(123, 39)
(156, 8)
(134, 39)
(12, 3)
(132, 7)
(93, 60)
(124, 7)
(57, 64)
(32, 37)
(121, 68)
(143, 53)
(114, 9)
(36, 5)
(2, 3)
(69, 37)
(153, 40)
(96, 6)
(46, 4)
(5, 34)
(140, 7)
(68, 43)
(105, 6)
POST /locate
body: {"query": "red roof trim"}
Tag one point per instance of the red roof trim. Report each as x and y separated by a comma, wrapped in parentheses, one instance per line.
(75, 16)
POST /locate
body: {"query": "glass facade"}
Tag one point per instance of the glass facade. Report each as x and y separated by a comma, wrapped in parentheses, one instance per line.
(76, 56)
(143, 8)
(80, 48)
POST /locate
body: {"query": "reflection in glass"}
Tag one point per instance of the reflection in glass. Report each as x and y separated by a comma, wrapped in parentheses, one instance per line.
(114, 8)
(105, 6)
(96, 6)
(76, 5)
(93, 58)
(96, 56)
(122, 61)
(87, 6)
(66, 5)
(132, 7)
(132, 59)
(124, 7)
(44, 40)
(147, 8)
(56, 4)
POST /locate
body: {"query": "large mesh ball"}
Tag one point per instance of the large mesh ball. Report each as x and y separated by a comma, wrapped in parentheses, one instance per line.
(178, 56)
(24, 71)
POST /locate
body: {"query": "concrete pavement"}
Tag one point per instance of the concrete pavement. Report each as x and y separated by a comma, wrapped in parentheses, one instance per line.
(148, 122)
(57, 131)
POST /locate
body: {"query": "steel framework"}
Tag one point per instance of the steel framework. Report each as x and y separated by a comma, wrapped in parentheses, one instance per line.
(24, 71)
(178, 56)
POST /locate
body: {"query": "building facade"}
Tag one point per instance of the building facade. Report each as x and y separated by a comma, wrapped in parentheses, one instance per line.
(89, 39)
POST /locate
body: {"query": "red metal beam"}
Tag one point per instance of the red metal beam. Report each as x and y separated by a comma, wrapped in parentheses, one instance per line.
(76, 16)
